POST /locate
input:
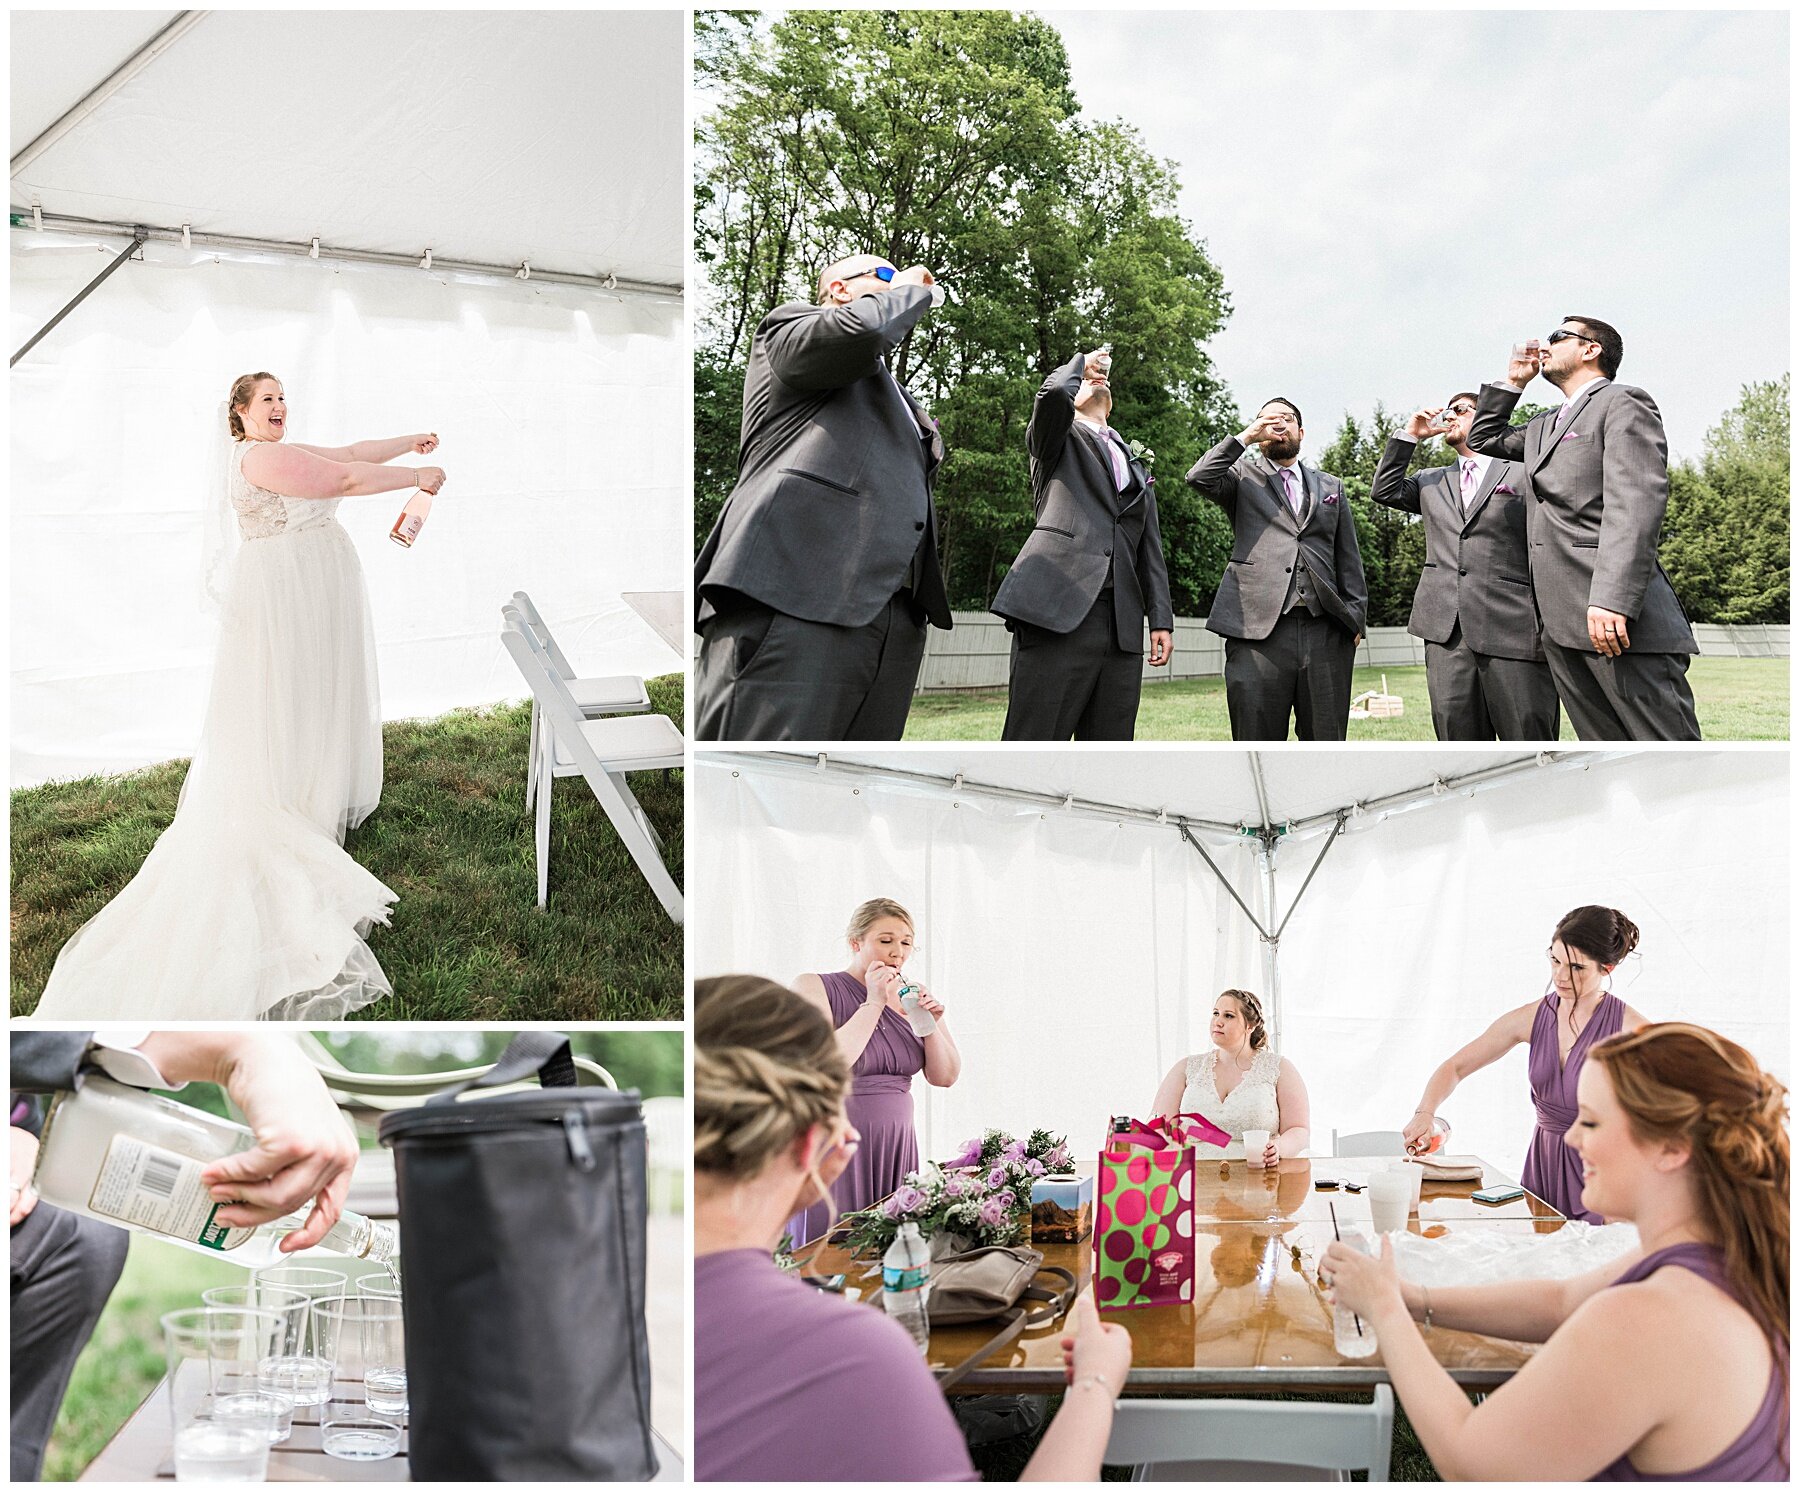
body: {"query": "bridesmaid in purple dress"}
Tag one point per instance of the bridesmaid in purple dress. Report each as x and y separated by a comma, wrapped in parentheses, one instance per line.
(1670, 1364)
(797, 1384)
(1575, 1012)
(877, 1040)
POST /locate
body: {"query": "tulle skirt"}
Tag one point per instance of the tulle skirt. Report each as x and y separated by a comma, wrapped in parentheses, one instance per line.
(248, 907)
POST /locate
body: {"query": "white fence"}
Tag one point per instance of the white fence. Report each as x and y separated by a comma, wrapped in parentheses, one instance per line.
(974, 654)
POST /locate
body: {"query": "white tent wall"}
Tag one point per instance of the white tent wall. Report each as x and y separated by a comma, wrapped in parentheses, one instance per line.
(1422, 929)
(1076, 956)
(564, 415)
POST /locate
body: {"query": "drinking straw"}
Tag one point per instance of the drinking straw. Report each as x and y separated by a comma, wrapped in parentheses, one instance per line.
(1340, 1238)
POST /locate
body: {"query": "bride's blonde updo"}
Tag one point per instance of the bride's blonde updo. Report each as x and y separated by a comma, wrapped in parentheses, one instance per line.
(766, 1069)
(241, 392)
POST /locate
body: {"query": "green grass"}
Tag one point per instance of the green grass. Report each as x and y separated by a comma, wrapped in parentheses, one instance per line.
(124, 1359)
(1737, 699)
(452, 838)
(1005, 1460)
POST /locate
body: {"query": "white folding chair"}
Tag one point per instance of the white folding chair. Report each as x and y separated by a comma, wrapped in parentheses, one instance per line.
(595, 698)
(1168, 1440)
(601, 751)
(1369, 1142)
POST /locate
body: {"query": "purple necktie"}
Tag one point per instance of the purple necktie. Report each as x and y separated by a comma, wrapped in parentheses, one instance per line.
(1293, 495)
(1468, 479)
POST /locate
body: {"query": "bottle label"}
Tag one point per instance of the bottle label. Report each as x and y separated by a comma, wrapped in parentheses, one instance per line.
(904, 1279)
(160, 1191)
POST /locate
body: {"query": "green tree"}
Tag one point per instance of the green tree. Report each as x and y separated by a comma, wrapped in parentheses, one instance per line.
(954, 139)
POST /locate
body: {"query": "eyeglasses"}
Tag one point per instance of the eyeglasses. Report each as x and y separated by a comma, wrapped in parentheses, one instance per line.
(1561, 335)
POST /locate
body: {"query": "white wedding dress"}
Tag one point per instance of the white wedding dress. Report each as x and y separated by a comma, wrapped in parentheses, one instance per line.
(248, 907)
(1250, 1105)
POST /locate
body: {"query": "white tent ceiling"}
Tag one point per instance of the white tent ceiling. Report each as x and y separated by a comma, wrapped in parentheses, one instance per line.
(1215, 787)
(490, 137)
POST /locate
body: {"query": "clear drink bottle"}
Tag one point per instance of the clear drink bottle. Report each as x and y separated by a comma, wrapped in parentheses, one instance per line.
(917, 1016)
(906, 1283)
(133, 1158)
(412, 519)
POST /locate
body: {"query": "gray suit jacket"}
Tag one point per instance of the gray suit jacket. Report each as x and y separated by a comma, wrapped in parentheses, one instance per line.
(835, 466)
(1475, 563)
(47, 1061)
(1088, 532)
(1268, 541)
(1597, 495)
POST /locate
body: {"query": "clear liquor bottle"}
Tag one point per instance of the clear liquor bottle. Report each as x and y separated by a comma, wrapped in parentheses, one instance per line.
(133, 1158)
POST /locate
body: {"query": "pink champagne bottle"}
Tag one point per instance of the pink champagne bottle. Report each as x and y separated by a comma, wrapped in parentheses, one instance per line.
(412, 518)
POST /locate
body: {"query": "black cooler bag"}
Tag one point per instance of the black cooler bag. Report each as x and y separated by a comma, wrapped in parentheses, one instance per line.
(522, 1219)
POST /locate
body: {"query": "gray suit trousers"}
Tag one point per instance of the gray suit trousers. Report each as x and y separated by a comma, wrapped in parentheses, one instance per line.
(768, 676)
(1303, 667)
(63, 1269)
(1079, 684)
(1636, 697)
(1477, 697)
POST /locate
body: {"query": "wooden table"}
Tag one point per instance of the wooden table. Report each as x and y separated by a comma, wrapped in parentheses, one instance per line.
(662, 610)
(1259, 1318)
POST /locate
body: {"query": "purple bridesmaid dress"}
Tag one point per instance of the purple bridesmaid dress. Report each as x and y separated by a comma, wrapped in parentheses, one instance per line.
(1759, 1454)
(880, 1107)
(1552, 1169)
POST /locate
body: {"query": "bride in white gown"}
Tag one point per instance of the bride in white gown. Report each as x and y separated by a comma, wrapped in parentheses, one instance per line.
(248, 907)
(1241, 1083)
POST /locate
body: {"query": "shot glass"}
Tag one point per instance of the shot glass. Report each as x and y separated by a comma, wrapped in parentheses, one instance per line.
(305, 1372)
(367, 1347)
(386, 1383)
(221, 1426)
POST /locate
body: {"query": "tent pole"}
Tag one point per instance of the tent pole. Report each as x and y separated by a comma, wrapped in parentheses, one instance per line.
(137, 243)
(237, 243)
(185, 21)
(1271, 938)
(1330, 841)
(1262, 932)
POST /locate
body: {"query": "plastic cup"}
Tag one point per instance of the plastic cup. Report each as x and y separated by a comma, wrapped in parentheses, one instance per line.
(364, 1338)
(1255, 1142)
(305, 1372)
(1414, 1173)
(1389, 1194)
(213, 1354)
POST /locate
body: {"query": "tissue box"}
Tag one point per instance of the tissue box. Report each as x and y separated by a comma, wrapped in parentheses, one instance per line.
(1062, 1209)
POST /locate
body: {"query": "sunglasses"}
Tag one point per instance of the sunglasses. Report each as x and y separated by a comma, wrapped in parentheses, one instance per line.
(885, 273)
(1559, 335)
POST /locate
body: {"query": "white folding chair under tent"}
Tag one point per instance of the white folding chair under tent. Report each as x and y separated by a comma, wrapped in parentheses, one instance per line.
(1179, 1440)
(595, 697)
(601, 752)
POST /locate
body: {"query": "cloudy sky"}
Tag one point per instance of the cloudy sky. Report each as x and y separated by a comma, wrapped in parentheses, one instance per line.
(1396, 197)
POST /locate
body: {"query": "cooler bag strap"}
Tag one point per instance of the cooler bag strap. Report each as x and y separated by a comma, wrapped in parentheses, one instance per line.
(544, 1055)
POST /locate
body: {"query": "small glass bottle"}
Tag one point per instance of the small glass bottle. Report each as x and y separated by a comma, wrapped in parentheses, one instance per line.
(132, 1158)
(412, 519)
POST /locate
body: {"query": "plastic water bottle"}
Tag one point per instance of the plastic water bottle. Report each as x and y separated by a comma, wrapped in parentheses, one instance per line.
(906, 1283)
(917, 1016)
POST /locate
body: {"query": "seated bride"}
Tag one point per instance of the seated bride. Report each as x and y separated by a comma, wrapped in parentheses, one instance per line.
(1241, 1083)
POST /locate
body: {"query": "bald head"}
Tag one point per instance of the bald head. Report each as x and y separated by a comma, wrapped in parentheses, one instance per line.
(835, 278)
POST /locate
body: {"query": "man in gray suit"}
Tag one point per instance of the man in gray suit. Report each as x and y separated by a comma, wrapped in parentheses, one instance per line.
(1092, 570)
(814, 587)
(1292, 603)
(64, 1266)
(1597, 475)
(1484, 662)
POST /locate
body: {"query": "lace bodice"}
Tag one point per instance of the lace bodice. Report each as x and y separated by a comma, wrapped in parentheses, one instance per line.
(262, 514)
(1250, 1105)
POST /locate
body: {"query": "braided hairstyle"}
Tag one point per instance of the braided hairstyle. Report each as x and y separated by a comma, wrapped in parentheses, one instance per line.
(766, 1069)
(242, 391)
(1677, 1081)
(1253, 1015)
(1604, 934)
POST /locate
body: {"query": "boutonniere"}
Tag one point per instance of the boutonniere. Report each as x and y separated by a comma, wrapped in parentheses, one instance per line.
(1141, 452)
